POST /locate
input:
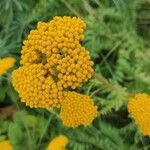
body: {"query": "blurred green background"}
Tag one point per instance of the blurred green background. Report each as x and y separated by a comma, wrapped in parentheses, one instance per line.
(117, 37)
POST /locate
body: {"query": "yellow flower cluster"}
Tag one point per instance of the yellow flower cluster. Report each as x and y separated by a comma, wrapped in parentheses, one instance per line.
(58, 143)
(6, 63)
(77, 109)
(57, 46)
(139, 107)
(61, 35)
(75, 68)
(5, 145)
(36, 88)
(53, 60)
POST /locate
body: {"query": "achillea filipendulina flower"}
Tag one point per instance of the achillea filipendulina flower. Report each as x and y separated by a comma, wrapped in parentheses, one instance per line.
(52, 37)
(77, 109)
(57, 45)
(58, 143)
(53, 60)
(36, 88)
(5, 145)
(139, 107)
(6, 63)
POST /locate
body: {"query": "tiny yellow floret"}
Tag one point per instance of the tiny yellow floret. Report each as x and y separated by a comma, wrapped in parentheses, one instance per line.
(77, 109)
(6, 63)
(58, 143)
(6, 145)
(139, 108)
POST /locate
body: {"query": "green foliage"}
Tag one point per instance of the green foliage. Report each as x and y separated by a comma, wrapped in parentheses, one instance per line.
(4, 125)
(7, 91)
(3, 91)
(28, 129)
(117, 37)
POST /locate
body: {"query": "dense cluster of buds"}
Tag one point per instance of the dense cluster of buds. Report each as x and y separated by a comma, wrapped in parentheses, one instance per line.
(57, 46)
(58, 143)
(6, 145)
(35, 89)
(77, 109)
(6, 64)
(138, 106)
(53, 62)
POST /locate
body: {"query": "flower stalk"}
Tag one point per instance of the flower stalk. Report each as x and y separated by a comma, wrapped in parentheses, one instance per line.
(104, 81)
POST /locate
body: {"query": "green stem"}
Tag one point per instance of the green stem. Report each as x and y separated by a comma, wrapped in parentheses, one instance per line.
(71, 8)
(96, 91)
(30, 146)
(44, 131)
(104, 81)
(54, 113)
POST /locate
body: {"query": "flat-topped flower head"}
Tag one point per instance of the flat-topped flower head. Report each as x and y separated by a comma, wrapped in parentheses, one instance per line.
(139, 108)
(36, 88)
(6, 145)
(6, 63)
(53, 60)
(58, 143)
(62, 34)
(57, 45)
(77, 109)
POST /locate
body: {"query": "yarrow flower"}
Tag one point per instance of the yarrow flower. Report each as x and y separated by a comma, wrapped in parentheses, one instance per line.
(53, 60)
(6, 63)
(36, 88)
(77, 109)
(139, 108)
(5, 145)
(57, 45)
(58, 143)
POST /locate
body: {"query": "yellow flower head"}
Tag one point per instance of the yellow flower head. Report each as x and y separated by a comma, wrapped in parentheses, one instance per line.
(58, 143)
(5, 64)
(5, 145)
(77, 109)
(57, 45)
(36, 88)
(139, 107)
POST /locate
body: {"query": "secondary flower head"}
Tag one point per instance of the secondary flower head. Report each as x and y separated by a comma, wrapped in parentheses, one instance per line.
(57, 45)
(77, 109)
(36, 88)
(5, 64)
(58, 143)
(6, 145)
(139, 107)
